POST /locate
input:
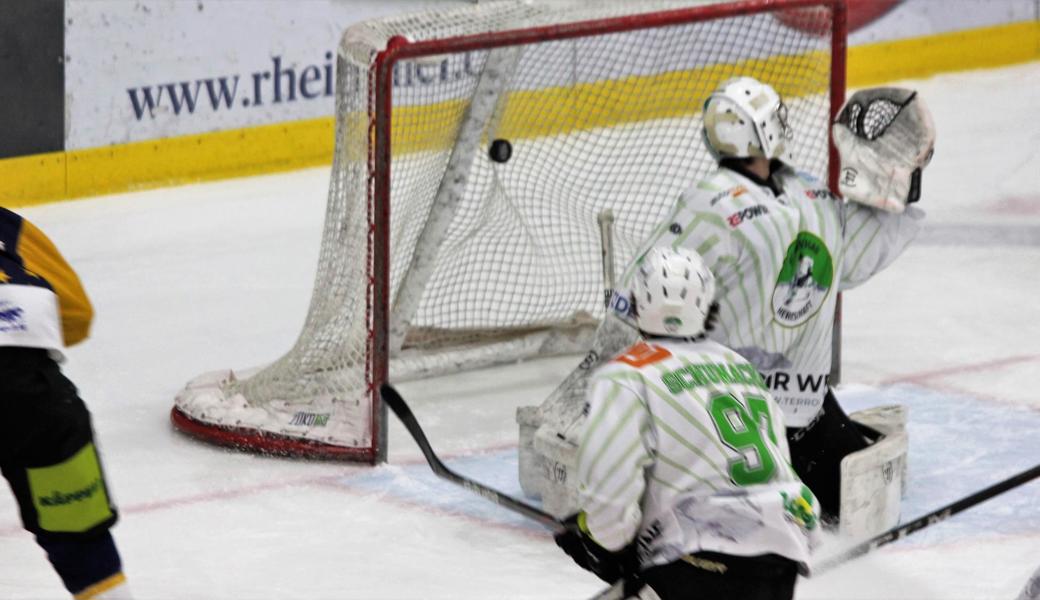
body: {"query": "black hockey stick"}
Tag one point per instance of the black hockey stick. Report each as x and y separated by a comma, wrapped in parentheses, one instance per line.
(896, 533)
(936, 516)
(397, 404)
(400, 408)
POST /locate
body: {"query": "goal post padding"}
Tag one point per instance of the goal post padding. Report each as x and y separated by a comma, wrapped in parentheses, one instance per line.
(437, 256)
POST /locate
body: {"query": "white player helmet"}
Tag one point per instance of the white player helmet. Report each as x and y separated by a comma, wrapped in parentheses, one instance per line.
(673, 292)
(745, 118)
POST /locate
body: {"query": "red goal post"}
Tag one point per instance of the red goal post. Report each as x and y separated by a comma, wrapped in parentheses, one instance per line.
(437, 256)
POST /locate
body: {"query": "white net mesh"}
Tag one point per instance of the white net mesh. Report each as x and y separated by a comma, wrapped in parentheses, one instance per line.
(503, 258)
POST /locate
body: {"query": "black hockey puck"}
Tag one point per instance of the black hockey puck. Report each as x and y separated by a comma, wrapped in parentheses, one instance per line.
(500, 150)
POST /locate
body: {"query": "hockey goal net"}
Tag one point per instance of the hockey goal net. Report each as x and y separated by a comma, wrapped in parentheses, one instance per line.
(475, 148)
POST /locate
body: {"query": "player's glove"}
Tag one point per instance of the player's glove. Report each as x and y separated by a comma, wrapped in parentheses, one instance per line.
(885, 137)
(579, 545)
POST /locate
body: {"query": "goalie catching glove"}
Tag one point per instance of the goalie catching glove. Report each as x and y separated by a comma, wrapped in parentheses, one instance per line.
(885, 137)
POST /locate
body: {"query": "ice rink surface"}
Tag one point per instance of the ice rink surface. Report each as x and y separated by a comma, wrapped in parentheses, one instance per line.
(196, 278)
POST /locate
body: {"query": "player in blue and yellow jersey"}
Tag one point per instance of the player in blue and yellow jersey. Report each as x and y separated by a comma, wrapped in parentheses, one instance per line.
(47, 451)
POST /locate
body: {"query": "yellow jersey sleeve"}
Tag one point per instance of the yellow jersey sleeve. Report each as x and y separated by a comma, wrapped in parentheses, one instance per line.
(40, 257)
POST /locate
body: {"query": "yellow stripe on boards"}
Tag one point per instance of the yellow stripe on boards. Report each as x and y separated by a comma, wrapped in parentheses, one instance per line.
(917, 58)
(35, 179)
(185, 159)
(287, 146)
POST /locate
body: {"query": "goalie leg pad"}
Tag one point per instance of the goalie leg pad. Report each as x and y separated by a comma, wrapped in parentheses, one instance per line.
(549, 433)
(886, 420)
(531, 463)
(559, 485)
(873, 480)
(547, 464)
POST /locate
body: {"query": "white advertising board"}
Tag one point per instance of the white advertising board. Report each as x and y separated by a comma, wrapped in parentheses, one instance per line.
(153, 69)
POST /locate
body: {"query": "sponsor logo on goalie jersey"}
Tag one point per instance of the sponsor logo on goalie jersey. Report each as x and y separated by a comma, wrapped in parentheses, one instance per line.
(804, 280)
(746, 214)
(819, 194)
(735, 192)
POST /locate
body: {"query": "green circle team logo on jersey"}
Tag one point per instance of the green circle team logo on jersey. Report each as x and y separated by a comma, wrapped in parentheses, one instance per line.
(804, 280)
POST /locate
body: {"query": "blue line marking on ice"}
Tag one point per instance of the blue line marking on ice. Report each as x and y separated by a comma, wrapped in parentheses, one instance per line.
(960, 445)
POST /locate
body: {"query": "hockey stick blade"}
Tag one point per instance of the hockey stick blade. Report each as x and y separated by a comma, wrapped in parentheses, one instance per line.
(936, 516)
(397, 404)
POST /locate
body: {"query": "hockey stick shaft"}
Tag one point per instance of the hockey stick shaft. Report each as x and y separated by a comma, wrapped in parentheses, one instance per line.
(936, 516)
(899, 532)
(397, 404)
(606, 239)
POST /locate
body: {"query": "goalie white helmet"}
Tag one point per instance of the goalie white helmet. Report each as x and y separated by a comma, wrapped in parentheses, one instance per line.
(885, 137)
(745, 118)
(673, 292)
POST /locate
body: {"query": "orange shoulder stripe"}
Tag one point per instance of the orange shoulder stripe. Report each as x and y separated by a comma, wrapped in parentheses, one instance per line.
(641, 354)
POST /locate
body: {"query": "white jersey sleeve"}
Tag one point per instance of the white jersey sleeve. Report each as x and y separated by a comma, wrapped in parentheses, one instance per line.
(873, 239)
(614, 450)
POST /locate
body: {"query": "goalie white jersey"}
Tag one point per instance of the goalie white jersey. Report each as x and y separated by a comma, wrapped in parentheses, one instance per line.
(684, 450)
(779, 262)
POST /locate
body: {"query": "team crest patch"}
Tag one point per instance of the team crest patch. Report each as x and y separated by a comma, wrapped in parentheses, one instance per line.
(804, 281)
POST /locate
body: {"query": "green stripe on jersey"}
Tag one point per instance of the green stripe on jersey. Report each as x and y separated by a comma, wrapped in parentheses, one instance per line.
(612, 434)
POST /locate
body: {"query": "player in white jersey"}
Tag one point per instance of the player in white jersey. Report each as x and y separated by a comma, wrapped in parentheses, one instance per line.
(683, 471)
(782, 246)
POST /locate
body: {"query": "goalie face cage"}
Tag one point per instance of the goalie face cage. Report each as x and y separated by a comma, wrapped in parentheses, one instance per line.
(437, 256)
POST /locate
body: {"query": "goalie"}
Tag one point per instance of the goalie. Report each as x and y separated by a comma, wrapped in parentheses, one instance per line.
(781, 246)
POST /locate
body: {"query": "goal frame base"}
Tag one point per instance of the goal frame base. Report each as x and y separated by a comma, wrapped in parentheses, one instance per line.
(264, 443)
